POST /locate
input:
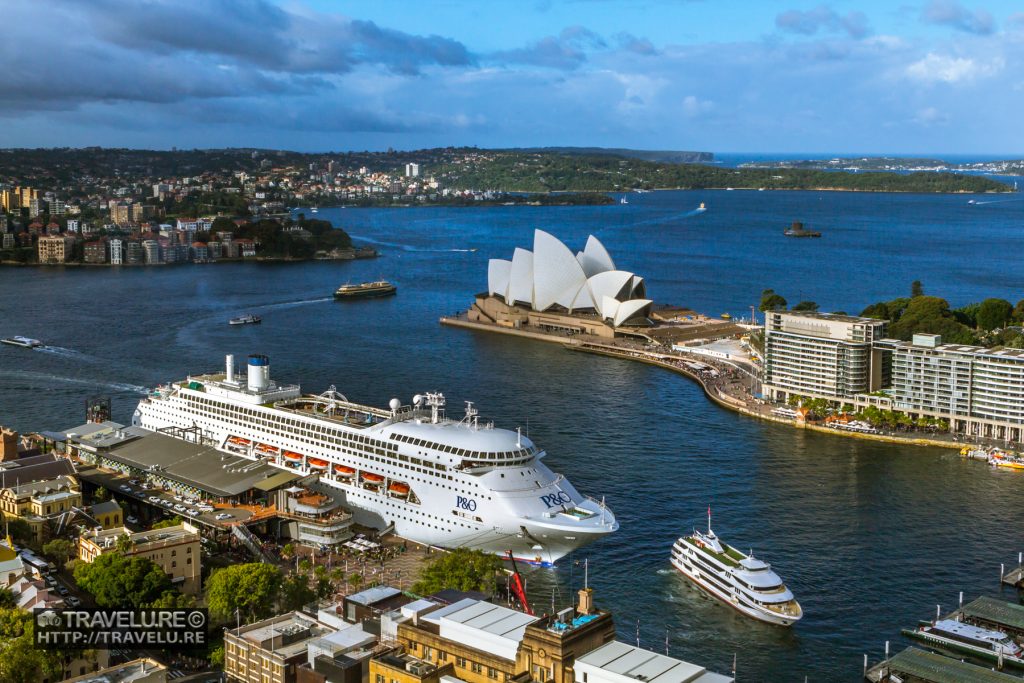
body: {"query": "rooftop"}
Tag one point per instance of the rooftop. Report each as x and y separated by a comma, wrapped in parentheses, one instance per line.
(627, 663)
(373, 595)
(107, 538)
(832, 317)
(482, 625)
(201, 467)
(34, 468)
(286, 635)
(996, 611)
(928, 666)
(137, 670)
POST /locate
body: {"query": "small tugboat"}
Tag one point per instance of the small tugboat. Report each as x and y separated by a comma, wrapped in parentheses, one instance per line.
(365, 290)
(744, 583)
(797, 230)
(247, 319)
(23, 342)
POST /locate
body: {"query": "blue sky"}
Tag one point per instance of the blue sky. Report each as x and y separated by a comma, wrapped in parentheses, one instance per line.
(926, 77)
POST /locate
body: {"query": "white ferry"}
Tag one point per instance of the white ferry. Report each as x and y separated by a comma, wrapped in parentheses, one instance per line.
(747, 584)
(967, 638)
(444, 482)
(22, 341)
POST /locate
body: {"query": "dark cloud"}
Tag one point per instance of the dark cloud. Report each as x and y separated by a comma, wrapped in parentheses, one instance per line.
(950, 13)
(824, 19)
(640, 46)
(567, 50)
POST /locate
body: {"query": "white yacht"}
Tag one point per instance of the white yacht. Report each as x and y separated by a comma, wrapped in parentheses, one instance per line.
(741, 581)
(22, 341)
(963, 637)
(439, 481)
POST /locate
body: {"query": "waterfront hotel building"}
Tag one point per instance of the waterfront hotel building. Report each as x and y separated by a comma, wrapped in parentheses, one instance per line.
(821, 355)
(847, 359)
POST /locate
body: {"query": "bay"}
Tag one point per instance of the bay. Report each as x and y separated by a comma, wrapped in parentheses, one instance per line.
(869, 536)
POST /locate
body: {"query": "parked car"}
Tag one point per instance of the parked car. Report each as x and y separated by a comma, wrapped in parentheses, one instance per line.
(154, 499)
(131, 519)
(223, 515)
(63, 590)
(72, 601)
(193, 512)
(125, 488)
(179, 507)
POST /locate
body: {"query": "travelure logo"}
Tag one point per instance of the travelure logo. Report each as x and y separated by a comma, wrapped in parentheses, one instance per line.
(554, 500)
(465, 503)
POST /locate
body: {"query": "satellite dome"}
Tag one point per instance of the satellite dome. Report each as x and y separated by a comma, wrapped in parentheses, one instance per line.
(417, 400)
(395, 405)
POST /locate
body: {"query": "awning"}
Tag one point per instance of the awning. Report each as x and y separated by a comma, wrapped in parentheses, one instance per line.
(275, 480)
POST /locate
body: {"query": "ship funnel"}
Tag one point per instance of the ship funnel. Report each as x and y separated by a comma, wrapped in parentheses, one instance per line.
(259, 372)
(229, 369)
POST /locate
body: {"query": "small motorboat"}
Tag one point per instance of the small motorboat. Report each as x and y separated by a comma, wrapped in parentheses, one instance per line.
(24, 342)
(247, 319)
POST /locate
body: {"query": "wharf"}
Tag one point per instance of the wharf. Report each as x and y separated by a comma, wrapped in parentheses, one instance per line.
(1014, 577)
(914, 664)
(993, 614)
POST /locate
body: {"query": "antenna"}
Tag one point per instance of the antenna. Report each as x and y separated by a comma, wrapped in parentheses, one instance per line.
(666, 641)
(519, 437)
(709, 521)
(586, 572)
(638, 633)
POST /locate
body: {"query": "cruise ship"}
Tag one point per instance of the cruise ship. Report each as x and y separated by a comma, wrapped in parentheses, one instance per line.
(741, 581)
(439, 481)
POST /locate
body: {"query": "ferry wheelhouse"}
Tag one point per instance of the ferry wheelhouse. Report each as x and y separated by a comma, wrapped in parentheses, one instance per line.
(439, 481)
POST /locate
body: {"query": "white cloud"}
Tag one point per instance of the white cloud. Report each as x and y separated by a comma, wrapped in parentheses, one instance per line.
(930, 116)
(936, 68)
(694, 106)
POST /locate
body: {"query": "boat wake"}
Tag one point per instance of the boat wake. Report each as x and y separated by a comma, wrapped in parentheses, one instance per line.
(290, 304)
(406, 247)
(997, 201)
(46, 379)
(67, 353)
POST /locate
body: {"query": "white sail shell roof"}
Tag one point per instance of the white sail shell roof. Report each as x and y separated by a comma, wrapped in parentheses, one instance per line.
(595, 258)
(498, 272)
(551, 275)
(520, 286)
(557, 275)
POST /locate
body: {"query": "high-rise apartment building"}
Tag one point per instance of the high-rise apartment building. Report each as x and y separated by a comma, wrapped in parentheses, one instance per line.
(821, 355)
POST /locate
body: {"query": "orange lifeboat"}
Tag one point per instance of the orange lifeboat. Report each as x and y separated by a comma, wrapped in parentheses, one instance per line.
(264, 448)
(292, 455)
(373, 478)
(344, 470)
(399, 488)
(317, 464)
(239, 441)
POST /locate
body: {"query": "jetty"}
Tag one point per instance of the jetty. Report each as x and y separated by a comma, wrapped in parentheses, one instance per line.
(914, 664)
(1014, 577)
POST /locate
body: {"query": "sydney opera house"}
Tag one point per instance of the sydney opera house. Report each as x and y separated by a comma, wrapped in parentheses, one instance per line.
(555, 290)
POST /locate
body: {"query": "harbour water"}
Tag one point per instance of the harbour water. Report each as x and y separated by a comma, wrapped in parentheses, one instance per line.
(869, 536)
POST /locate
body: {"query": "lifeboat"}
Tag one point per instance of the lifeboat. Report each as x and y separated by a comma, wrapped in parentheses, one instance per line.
(238, 441)
(344, 470)
(399, 488)
(317, 464)
(373, 478)
(264, 448)
(292, 455)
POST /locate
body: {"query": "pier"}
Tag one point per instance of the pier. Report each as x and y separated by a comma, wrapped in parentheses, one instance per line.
(913, 664)
(1014, 577)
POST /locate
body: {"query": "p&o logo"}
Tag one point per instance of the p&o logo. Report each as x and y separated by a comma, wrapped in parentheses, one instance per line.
(465, 503)
(554, 500)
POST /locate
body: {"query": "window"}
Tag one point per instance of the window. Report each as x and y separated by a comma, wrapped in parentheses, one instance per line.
(379, 679)
(476, 668)
(491, 673)
(460, 662)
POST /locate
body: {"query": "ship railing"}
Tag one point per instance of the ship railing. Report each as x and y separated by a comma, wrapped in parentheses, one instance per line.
(560, 477)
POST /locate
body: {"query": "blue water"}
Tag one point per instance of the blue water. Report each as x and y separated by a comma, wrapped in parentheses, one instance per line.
(869, 536)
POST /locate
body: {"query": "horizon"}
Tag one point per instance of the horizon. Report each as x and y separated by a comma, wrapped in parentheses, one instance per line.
(311, 75)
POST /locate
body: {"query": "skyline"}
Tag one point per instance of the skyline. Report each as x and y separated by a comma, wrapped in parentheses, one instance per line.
(781, 77)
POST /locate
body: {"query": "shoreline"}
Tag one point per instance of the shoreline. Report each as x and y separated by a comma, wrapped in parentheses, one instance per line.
(723, 401)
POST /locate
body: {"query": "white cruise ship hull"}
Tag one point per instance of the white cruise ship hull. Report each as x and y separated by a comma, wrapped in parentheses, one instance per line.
(523, 508)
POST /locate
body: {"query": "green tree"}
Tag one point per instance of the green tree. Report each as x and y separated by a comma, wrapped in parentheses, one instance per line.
(355, 580)
(173, 598)
(117, 581)
(59, 550)
(305, 564)
(993, 313)
(163, 524)
(101, 495)
(20, 660)
(770, 301)
(461, 569)
(324, 587)
(217, 657)
(288, 551)
(1018, 311)
(19, 529)
(809, 306)
(7, 600)
(249, 588)
(916, 289)
(295, 592)
(931, 315)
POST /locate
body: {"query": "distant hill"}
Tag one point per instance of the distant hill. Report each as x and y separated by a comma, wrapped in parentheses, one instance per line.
(660, 156)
